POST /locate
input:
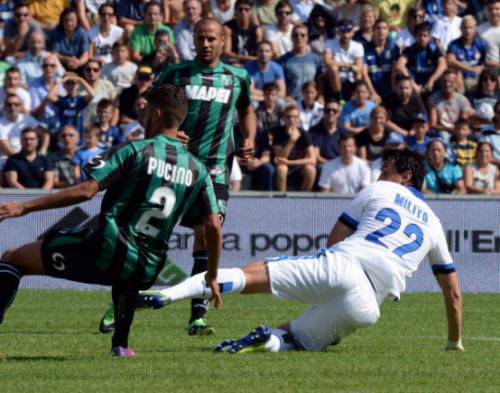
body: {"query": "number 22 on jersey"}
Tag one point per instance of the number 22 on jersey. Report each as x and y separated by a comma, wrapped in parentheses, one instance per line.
(412, 231)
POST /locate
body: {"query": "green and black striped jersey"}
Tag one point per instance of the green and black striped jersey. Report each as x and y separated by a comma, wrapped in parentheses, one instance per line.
(213, 94)
(149, 185)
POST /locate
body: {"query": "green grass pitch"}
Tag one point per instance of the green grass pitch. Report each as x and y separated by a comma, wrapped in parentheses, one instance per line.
(49, 343)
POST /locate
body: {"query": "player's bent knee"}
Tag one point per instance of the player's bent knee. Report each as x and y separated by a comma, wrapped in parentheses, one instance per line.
(6, 256)
(366, 318)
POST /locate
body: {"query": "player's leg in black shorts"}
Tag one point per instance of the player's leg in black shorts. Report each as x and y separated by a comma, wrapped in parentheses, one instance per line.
(72, 253)
(192, 219)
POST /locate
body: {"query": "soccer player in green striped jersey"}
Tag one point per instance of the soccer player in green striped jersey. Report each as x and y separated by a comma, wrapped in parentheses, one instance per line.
(149, 184)
(215, 92)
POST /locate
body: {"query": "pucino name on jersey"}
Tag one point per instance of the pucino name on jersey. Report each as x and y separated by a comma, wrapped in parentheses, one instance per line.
(169, 172)
(208, 93)
(411, 207)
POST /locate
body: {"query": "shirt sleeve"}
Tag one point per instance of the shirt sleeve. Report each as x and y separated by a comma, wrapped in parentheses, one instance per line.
(108, 167)
(439, 255)
(48, 164)
(10, 165)
(134, 44)
(244, 99)
(457, 173)
(354, 211)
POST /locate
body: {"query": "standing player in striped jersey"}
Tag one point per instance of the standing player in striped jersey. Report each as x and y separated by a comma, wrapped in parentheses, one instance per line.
(150, 184)
(215, 91)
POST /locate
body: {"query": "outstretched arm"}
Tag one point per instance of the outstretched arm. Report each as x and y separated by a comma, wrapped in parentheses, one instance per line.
(453, 302)
(67, 197)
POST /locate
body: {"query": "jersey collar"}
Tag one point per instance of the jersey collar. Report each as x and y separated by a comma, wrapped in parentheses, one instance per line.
(416, 192)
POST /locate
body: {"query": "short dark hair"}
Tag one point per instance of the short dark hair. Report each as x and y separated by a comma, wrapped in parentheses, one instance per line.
(171, 100)
(331, 101)
(240, 2)
(421, 27)
(27, 130)
(407, 160)
(118, 45)
(402, 78)
(106, 5)
(282, 4)
(161, 33)
(271, 86)
(347, 136)
(21, 4)
(151, 4)
(12, 69)
(104, 103)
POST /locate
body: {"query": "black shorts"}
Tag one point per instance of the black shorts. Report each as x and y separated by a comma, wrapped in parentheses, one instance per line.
(72, 254)
(193, 215)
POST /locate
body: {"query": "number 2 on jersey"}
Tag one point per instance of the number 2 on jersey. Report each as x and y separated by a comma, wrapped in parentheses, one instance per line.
(164, 197)
(393, 226)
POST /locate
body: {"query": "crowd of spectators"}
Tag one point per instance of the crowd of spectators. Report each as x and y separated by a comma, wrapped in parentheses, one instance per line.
(334, 83)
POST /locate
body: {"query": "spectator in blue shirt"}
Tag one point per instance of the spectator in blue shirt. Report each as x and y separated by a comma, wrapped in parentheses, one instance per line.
(300, 65)
(467, 54)
(70, 108)
(90, 149)
(109, 135)
(70, 41)
(380, 54)
(264, 71)
(419, 139)
(356, 112)
(130, 13)
(423, 61)
(442, 176)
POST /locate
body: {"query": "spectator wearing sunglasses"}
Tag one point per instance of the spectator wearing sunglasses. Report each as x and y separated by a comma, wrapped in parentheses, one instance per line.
(104, 35)
(325, 135)
(103, 89)
(18, 30)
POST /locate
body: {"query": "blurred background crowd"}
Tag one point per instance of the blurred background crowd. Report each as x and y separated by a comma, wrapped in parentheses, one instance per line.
(334, 83)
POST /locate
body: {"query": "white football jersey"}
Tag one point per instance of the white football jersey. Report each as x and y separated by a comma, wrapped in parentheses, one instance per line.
(395, 229)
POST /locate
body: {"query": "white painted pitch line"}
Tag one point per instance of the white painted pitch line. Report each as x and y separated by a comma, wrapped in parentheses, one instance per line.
(463, 338)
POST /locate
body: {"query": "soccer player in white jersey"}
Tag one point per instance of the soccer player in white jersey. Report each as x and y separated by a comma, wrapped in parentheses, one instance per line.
(377, 242)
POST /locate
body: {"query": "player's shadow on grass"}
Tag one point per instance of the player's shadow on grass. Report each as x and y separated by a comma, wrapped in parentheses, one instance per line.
(22, 358)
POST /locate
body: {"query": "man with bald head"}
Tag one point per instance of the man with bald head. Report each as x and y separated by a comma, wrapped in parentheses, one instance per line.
(215, 91)
(184, 30)
(30, 65)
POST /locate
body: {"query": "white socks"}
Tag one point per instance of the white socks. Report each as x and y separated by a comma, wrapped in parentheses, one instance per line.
(280, 341)
(230, 281)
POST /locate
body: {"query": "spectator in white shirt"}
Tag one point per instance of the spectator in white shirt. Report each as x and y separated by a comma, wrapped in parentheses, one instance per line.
(346, 174)
(104, 35)
(311, 110)
(11, 125)
(12, 84)
(447, 27)
(343, 59)
(280, 34)
(120, 72)
(490, 32)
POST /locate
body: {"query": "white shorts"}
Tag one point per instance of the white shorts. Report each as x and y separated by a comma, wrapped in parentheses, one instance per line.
(338, 289)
